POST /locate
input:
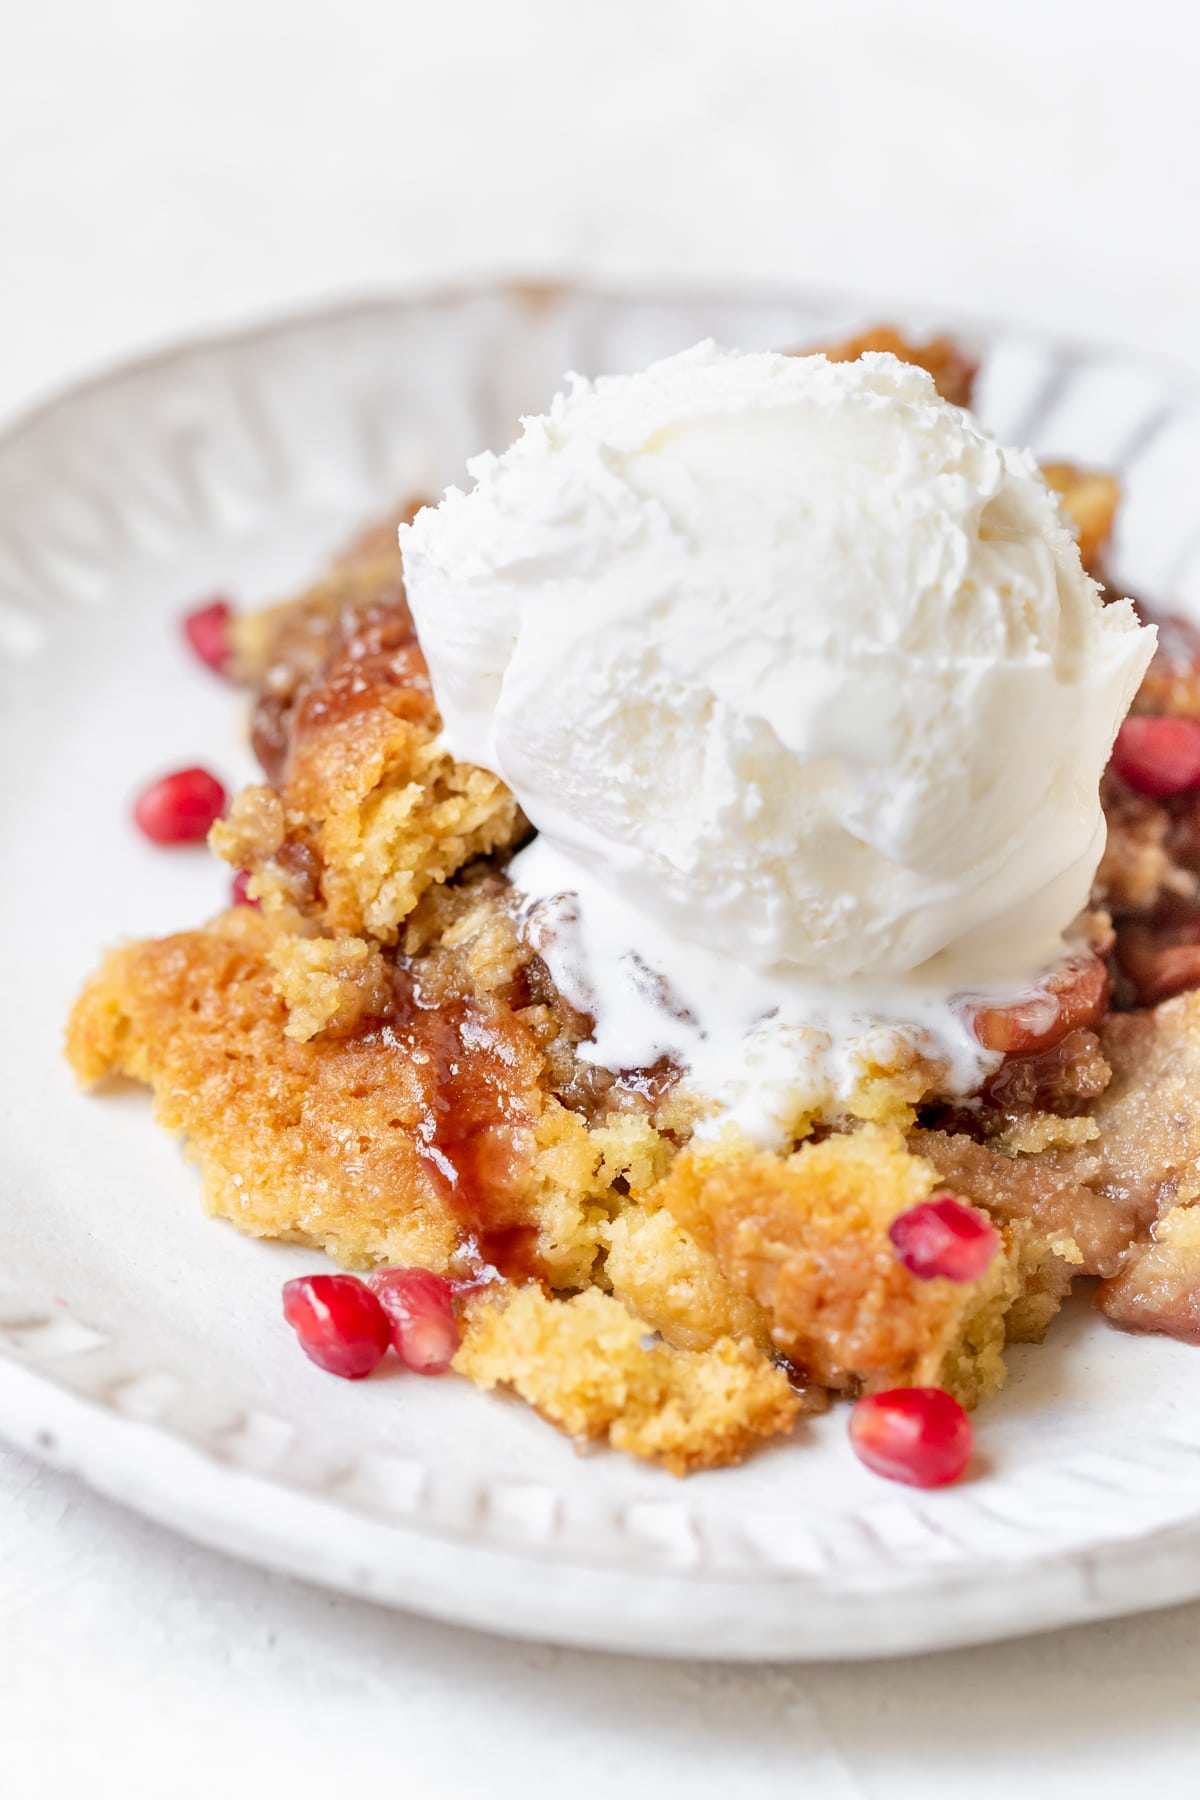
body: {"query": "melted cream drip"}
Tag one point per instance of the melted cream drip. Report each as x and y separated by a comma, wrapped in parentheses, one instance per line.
(769, 1046)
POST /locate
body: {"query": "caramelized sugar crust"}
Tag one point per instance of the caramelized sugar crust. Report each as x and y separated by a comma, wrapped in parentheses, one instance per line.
(379, 1066)
(363, 811)
(336, 1140)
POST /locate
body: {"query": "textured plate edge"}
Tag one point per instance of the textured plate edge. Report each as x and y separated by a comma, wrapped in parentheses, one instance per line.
(227, 1510)
(1065, 1588)
(537, 291)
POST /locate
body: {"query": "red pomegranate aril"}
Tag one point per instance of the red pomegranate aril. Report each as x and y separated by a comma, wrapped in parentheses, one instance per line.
(207, 631)
(944, 1238)
(180, 808)
(239, 886)
(1158, 757)
(918, 1435)
(420, 1310)
(339, 1322)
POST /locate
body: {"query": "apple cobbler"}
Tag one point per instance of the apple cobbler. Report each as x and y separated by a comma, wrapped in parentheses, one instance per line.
(373, 1058)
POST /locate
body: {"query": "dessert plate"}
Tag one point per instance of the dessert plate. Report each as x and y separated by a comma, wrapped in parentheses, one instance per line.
(141, 1345)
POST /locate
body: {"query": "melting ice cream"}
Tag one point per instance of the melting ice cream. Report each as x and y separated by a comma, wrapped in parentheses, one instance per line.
(800, 678)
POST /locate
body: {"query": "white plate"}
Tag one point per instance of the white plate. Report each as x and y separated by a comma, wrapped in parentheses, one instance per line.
(141, 1344)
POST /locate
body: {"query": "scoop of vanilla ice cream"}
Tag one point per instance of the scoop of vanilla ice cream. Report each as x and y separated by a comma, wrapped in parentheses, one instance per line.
(789, 653)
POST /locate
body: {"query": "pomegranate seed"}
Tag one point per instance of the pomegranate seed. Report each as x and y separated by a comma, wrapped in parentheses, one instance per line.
(339, 1322)
(918, 1435)
(180, 808)
(944, 1237)
(1158, 756)
(420, 1309)
(207, 631)
(240, 883)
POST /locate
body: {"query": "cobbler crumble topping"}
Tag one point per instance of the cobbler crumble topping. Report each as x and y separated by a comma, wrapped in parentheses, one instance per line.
(368, 1057)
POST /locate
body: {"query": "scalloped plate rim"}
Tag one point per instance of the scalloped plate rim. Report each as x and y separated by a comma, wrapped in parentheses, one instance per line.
(981, 1601)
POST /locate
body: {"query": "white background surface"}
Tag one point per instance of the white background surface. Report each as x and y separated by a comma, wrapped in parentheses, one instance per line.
(170, 167)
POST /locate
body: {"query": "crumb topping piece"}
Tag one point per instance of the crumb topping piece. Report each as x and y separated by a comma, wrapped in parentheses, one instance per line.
(807, 1236)
(363, 811)
(585, 1364)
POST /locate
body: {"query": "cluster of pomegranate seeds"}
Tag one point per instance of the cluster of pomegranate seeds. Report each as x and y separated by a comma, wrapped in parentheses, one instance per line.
(918, 1435)
(207, 631)
(180, 808)
(420, 1311)
(340, 1323)
(1158, 757)
(347, 1326)
(944, 1238)
(238, 888)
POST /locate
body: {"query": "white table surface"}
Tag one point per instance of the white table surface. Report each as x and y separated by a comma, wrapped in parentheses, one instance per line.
(171, 167)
